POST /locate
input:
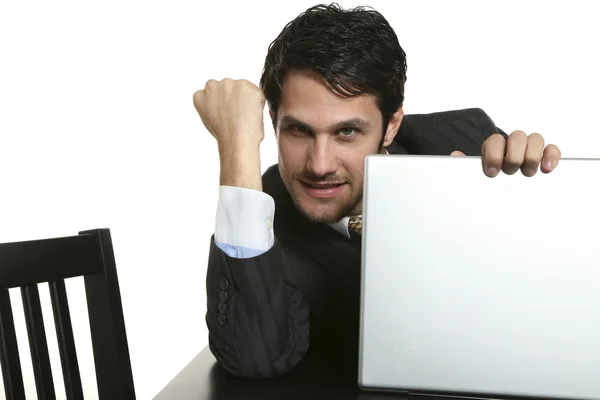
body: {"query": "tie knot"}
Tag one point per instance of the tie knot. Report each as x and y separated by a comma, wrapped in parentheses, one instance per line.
(355, 225)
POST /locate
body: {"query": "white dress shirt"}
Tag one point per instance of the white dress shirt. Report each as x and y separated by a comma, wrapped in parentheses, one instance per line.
(244, 222)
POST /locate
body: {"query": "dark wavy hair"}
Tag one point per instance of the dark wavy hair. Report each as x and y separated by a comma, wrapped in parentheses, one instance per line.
(355, 51)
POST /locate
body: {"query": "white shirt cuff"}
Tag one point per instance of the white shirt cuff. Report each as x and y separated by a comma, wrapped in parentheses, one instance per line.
(245, 218)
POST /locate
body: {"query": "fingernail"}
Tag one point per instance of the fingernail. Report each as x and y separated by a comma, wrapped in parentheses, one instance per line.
(548, 164)
(492, 171)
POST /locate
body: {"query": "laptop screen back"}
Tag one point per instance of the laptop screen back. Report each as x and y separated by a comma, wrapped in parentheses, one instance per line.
(477, 285)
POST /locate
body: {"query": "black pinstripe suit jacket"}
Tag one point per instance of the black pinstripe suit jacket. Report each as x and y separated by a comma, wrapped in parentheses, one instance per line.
(300, 299)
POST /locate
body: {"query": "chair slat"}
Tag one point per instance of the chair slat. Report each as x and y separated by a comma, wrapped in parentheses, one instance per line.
(9, 352)
(37, 343)
(66, 342)
(46, 260)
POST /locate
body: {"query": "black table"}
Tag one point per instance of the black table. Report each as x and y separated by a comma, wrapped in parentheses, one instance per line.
(203, 379)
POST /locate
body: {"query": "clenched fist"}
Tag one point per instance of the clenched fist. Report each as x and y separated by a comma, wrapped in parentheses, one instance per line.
(232, 111)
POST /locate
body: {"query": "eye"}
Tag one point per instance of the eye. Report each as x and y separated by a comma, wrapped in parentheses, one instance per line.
(348, 132)
(299, 129)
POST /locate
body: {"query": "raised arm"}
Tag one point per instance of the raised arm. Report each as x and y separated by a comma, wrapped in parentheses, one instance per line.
(258, 324)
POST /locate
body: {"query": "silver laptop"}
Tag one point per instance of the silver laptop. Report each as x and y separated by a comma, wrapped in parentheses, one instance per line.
(479, 287)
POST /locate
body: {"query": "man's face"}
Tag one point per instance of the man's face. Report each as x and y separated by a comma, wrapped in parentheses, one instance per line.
(323, 139)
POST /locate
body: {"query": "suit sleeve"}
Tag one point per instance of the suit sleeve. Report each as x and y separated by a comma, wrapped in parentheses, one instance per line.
(258, 324)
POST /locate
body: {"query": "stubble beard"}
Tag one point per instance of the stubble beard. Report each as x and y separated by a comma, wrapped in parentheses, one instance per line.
(334, 214)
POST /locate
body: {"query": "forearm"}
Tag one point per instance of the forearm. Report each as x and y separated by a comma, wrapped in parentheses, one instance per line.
(240, 164)
(260, 327)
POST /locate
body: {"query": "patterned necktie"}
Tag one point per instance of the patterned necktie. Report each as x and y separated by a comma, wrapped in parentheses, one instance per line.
(355, 226)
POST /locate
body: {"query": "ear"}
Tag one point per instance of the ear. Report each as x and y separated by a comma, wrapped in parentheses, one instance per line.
(393, 126)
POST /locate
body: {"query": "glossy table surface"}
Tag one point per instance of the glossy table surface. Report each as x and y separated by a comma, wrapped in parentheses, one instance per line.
(203, 379)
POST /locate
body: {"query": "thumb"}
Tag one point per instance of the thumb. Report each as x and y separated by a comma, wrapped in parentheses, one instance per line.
(457, 153)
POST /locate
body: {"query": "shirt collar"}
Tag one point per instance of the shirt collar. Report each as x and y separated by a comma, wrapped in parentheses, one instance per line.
(341, 226)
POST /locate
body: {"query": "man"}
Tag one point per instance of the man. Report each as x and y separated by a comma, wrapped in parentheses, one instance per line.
(283, 280)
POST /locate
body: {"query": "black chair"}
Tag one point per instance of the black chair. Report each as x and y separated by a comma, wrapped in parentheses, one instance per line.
(27, 264)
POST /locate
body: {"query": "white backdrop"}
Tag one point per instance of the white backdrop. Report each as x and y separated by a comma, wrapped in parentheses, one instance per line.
(97, 128)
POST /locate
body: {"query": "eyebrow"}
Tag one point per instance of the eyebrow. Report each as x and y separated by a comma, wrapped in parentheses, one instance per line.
(352, 122)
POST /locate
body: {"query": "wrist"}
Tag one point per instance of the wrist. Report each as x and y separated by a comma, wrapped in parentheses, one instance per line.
(239, 146)
(240, 165)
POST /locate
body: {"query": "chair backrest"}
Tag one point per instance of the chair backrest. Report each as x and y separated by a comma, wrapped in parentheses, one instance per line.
(27, 264)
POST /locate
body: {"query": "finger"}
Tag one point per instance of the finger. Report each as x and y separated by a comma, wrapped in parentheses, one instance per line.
(516, 146)
(493, 154)
(533, 154)
(550, 158)
(210, 83)
(457, 153)
(198, 96)
(199, 99)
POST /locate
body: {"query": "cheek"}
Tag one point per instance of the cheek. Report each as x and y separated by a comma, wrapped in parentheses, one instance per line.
(290, 155)
(356, 172)
(355, 164)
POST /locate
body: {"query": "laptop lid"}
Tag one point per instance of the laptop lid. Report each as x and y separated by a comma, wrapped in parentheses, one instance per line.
(480, 287)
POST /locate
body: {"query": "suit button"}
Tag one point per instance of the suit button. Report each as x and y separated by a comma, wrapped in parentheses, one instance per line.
(221, 319)
(223, 283)
(222, 307)
(223, 295)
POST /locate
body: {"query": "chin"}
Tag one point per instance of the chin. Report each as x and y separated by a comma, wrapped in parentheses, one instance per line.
(321, 218)
(319, 212)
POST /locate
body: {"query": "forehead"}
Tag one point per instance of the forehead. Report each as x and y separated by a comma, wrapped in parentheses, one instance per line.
(308, 98)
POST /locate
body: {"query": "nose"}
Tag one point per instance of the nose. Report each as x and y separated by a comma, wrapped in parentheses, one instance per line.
(322, 160)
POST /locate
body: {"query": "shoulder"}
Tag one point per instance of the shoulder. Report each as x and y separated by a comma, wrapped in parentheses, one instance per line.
(272, 182)
(440, 133)
(474, 116)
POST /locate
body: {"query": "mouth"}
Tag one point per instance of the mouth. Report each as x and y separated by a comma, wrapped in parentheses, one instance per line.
(322, 190)
(322, 185)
